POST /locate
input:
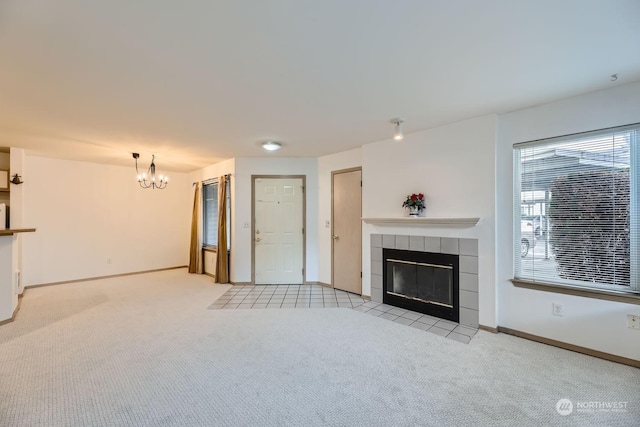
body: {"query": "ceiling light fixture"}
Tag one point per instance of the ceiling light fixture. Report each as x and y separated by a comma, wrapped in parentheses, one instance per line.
(397, 132)
(271, 145)
(614, 77)
(149, 180)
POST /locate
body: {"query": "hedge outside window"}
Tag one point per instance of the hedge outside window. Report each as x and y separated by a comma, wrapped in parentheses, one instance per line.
(576, 217)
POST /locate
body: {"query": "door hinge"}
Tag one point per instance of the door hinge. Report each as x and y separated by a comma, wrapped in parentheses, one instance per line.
(302, 230)
(361, 274)
(360, 183)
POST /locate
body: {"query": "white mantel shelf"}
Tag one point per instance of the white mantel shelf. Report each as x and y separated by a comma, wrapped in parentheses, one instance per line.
(424, 221)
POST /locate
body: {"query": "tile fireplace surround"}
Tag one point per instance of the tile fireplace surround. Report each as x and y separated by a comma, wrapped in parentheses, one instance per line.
(466, 249)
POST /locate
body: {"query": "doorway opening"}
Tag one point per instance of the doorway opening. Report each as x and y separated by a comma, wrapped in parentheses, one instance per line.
(346, 231)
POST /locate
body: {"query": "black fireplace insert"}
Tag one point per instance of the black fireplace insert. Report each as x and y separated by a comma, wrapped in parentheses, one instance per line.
(425, 282)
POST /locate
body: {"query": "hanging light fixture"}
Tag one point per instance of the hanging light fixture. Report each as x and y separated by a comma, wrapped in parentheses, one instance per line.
(149, 179)
(397, 132)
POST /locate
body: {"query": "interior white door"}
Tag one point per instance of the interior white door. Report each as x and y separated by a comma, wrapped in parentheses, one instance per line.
(278, 230)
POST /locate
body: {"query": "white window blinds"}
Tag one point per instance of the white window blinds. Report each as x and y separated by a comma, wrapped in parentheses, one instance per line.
(576, 209)
(210, 213)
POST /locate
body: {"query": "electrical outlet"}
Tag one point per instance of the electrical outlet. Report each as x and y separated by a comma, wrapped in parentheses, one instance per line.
(246, 224)
(557, 309)
(633, 321)
(327, 224)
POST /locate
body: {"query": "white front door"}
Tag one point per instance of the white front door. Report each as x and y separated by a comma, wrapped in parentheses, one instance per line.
(278, 233)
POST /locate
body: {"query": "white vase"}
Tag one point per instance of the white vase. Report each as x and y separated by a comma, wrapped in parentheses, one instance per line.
(414, 212)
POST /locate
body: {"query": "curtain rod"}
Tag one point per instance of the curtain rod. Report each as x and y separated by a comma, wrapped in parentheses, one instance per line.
(210, 180)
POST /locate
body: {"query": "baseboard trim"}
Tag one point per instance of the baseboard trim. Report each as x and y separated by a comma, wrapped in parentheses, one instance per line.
(209, 274)
(307, 282)
(15, 312)
(111, 276)
(578, 349)
(488, 329)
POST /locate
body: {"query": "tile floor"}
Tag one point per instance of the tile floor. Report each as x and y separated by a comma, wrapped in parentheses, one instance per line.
(316, 296)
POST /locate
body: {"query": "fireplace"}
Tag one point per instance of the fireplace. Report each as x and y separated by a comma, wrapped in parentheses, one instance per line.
(467, 251)
(425, 282)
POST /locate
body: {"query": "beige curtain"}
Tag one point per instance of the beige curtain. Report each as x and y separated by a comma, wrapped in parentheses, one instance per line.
(195, 249)
(222, 260)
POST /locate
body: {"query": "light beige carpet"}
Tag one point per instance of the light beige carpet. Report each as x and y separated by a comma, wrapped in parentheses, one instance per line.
(143, 350)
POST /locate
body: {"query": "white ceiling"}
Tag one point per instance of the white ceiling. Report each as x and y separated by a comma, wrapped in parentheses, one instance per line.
(198, 81)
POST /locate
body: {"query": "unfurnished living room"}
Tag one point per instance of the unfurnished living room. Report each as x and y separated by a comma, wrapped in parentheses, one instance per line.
(319, 213)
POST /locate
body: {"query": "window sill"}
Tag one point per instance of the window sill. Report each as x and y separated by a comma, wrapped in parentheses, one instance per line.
(618, 296)
(213, 249)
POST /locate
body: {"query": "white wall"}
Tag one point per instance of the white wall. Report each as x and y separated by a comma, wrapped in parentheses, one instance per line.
(453, 166)
(326, 165)
(17, 210)
(214, 171)
(8, 294)
(17, 167)
(209, 260)
(5, 165)
(87, 214)
(591, 323)
(10, 246)
(244, 169)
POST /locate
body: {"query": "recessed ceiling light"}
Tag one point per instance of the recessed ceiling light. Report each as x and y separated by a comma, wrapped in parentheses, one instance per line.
(271, 145)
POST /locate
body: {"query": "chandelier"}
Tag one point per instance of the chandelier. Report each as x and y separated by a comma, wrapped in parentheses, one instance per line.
(149, 179)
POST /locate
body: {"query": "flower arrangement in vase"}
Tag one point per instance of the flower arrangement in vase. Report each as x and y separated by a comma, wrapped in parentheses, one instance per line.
(415, 203)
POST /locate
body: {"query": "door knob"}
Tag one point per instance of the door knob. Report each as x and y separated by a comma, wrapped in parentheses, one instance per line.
(258, 239)
(335, 237)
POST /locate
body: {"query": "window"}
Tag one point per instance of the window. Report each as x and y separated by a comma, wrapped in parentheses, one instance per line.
(210, 213)
(576, 203)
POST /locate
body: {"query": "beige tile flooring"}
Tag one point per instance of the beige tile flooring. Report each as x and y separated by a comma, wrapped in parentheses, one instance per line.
(316, 296)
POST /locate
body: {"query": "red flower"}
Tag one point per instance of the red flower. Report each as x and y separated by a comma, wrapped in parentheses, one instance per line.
(414, 201)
